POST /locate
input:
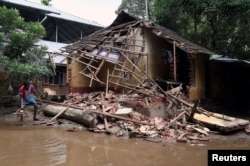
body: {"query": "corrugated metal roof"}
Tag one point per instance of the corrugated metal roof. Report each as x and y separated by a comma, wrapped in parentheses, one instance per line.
(51, 12)
(225, 59)
(54, 47)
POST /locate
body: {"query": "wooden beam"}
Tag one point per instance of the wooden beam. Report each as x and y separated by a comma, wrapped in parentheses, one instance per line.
(96, 79)
(174, 51)
(57, 115)
(82, 62)
(194, 109)
(124, 50)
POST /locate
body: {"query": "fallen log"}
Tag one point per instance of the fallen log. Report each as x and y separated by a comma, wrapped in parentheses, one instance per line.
(57, 115)
(93, 111)
(87, 118)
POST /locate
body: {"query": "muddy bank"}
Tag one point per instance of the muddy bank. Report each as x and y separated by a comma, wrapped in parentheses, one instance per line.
(8, 116)
(44, 145)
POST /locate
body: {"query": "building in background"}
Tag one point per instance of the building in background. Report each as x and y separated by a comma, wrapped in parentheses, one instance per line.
(61, 29)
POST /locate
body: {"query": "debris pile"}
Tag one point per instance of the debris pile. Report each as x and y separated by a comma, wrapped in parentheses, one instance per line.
(113, 116)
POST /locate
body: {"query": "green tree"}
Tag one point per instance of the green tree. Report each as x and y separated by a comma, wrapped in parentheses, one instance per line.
(46, 2)
(18, 54)
(221, 25)
(137, 8)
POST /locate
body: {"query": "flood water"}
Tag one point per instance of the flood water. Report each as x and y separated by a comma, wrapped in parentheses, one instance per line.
(51, 146)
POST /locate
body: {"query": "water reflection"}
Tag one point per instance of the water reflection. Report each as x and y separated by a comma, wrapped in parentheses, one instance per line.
(29, 146)
(45, 146)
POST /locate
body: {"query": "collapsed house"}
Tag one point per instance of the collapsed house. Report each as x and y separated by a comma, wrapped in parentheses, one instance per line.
(132, 51)
(148, 65)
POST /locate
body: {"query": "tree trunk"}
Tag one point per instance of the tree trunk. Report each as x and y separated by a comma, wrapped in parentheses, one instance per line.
(87, 118)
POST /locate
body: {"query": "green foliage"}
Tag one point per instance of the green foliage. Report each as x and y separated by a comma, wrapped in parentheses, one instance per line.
(136, 8)
(18, 54)
(21, 70)
(221, 25)
(167, 13)
(45, 2)
(10, 20)
(4, 61)
(24, 71)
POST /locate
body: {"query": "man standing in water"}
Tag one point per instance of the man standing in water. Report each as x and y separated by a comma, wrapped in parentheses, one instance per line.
(26, 92)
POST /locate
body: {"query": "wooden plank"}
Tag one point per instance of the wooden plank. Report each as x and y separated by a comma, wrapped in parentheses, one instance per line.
(177, 117)
(194, 109)
(107, 83)
(60, 113)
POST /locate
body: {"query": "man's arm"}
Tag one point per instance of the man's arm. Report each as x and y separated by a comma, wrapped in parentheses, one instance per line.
(34, 92)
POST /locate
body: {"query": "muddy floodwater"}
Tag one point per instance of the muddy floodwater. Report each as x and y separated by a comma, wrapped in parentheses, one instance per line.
(31, 145)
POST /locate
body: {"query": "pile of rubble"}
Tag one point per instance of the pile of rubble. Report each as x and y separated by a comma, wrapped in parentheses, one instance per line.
(115, 117)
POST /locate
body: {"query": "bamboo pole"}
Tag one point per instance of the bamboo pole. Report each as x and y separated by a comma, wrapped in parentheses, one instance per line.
(128, 70)
(90, 78)
(131, 62)
(119, 77)
(124, 50)
(82, 62)
(126, 43)
(88, 56)
(177, 117)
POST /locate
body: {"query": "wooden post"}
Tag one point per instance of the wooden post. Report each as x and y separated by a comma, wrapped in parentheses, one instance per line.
(174, 51)
(107, 84)
(194, 109)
